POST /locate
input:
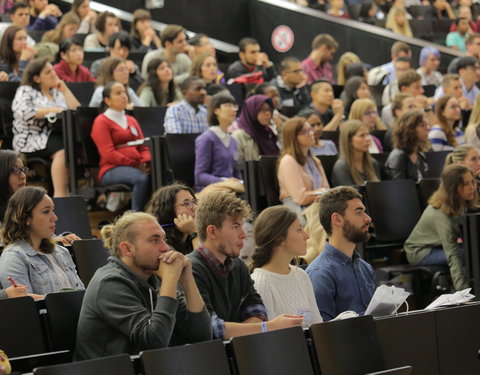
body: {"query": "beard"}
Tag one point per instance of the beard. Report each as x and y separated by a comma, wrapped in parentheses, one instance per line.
(223, 250)
(145, 266)
(354, 234)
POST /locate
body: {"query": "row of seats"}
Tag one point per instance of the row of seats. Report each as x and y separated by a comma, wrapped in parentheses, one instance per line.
(362, 345)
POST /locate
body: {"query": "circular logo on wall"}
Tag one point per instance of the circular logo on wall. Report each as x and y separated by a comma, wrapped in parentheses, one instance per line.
(282, 38)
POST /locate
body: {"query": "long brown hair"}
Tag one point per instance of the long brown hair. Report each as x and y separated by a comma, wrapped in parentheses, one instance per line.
(446, 198)
(7, 54)
(443, 122)
(405, 132)
(20, 206)
(347, 130)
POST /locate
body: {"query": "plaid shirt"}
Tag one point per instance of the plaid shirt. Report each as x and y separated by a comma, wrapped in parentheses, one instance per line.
(315, 72)
(252, 311)
(183, 119)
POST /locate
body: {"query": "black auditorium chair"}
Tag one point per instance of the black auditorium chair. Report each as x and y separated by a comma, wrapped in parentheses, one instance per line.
(90, 56)
(328, 161)
(150, 120)
(21, 327)
(63, 310)
(435, 162)
(282, 352)
(181, 156)
(348, 347)
(114, 365)
(395, 337)
(89, 256)
(204, 358)
(267, 166)
(332, 135)
(72, 216)
(83, 91)
(7, 93)
(426, 187)
(381, 158)
(238, 92)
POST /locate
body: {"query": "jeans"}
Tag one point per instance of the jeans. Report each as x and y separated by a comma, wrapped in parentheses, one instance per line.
(436, 257)
(133, 177)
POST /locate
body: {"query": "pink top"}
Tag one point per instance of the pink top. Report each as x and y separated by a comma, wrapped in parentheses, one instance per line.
(315, 72)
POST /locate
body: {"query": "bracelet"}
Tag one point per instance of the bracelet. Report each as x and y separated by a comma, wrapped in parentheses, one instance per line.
(264, 327)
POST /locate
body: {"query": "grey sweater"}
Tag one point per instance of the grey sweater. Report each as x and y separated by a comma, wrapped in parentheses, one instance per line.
(122, 313)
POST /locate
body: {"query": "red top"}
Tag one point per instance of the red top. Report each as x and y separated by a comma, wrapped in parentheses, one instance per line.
(107, 135)
(65, 73)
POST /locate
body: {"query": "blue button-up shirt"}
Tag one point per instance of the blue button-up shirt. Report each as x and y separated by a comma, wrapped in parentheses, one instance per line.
(183, 119)
(341, 283)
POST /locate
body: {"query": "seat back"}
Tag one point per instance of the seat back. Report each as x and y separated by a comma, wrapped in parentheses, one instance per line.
(205, 358)
(435, 162)
(282, 352)
(63, 310)
(426, 187)
(89, 255)
(72, 216)
(381, 159)
(150, 120)
(83, 91)
(181, 156)
(268, 174)
(114, 365)
(347, 346)
(21, 327)
(90, 56)
(85, 116)
(7, 93)
(328, 161)
(332, 135)
(394, 208)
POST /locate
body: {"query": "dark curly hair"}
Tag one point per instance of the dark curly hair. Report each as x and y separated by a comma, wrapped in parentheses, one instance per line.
(404, 133)
(162, 206)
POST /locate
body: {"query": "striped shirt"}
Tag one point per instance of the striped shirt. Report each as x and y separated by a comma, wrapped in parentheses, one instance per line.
(327, 148)
(439, 141)
(183, 119)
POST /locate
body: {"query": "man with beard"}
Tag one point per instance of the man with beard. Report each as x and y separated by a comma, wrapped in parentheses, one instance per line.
(134, 303)
(341, 279)
(222, 278)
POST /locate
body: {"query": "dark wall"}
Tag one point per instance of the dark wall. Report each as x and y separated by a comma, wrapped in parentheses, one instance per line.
(225, 20)
(370, 43)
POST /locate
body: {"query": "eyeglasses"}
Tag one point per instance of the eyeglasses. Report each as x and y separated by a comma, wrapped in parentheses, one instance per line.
(370, 113)
(306, 131)
(17, 170)
(453, 107)
(229, 106)
(188, 204)
(265, 110)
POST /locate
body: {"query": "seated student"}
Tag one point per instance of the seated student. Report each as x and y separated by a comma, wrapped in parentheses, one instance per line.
(13, 177)
(106, 24)
(336, 9)
(31, 257)
(251, 60)
(174, 206)
(300, 175)
(341, 280)
(19, 14)
(355, 88)
(144, 38)
(66, 29)
(119, 45)
(446, 135)
(317, 64)
(69, 67)
(222, 277)
(201, 44)
(145, 297)
(255, 136)
(15, 54)
(215, 149)
(284, 288)
(456, 39)
(434, 240)
(125, 165)
(468, 156)
(321, 146)
(401, 66)
(159, 88)
(472, 132)
(190, 115)
(410, 139)
(40, 97)
(174, 43)
(87, 16)
(355, 165)
(205, 66)
(43, 16)
(397, 22)
(114, 69)
(347, 59)
(365, 110)
(270, 90)
(293, 93)
(328, 108)
(429, 62)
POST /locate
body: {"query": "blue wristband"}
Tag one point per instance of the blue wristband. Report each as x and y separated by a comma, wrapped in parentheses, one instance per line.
(264, 326)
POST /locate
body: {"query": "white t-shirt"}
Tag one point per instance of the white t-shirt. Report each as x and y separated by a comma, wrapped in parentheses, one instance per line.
(287, 294)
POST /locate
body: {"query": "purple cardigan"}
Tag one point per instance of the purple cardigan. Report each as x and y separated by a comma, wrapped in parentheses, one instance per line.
(214, 161)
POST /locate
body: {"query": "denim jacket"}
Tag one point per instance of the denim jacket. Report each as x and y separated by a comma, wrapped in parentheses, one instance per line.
(34, 270)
